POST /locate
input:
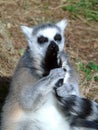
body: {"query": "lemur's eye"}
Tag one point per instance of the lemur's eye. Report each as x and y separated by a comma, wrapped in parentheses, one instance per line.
(57, 37)
(42, 39)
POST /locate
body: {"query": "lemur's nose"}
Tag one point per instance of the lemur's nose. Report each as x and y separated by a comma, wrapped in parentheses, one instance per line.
(54, 46)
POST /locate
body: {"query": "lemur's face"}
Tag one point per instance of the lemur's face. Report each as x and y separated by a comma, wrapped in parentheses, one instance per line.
(45, 42)
(50, 36)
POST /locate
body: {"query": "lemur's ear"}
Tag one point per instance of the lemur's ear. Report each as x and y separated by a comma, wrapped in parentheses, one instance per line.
(62, 24)
(27, 31)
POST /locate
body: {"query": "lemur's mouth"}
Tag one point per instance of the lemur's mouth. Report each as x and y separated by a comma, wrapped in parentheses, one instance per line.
(51, 59)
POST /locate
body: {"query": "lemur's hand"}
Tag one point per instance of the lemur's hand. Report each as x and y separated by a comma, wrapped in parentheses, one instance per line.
(65, 90)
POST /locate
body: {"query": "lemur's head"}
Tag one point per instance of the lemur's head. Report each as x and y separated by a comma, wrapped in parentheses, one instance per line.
(46, 41)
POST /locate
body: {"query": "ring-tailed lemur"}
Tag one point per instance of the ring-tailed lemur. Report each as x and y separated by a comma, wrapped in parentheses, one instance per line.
(31, 103)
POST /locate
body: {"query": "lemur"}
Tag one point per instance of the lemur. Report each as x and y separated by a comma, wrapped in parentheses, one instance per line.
(32, 102)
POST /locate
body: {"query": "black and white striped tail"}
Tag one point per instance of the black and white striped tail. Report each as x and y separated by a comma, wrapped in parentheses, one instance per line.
(82, 112)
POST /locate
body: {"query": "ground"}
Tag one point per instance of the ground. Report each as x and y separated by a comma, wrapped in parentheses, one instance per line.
(81, 39)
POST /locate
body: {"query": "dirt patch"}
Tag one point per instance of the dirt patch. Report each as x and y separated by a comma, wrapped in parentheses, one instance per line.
(81, 38)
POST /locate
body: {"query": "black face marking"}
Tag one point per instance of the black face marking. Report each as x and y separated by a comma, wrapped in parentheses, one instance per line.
(51, 58)
(42, 40)
(57, 37)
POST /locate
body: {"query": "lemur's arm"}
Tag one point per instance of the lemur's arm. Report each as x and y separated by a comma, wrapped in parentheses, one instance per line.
(70, 81)
(40, 90)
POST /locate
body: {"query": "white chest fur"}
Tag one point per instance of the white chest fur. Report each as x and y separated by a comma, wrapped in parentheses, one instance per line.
(50, 118)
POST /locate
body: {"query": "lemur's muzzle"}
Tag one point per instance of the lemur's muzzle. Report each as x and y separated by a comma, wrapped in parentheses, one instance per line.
(51, 58)
(53, 47)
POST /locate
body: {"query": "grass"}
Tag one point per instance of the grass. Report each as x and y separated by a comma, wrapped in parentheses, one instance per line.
(90, 70)
(88, 73)
(21, 51)
(82, 8)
